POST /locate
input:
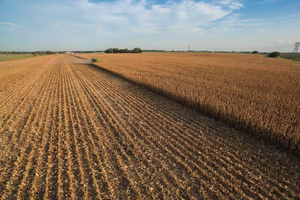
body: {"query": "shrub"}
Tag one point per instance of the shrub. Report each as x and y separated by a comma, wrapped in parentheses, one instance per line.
(95, 60)
(275, 54)
(254, 52)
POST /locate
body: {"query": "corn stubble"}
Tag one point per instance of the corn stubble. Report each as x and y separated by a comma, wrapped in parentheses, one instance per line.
(252, 93)
(70, 130)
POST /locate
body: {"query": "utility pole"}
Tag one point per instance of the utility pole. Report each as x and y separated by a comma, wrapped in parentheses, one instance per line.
(296, 48)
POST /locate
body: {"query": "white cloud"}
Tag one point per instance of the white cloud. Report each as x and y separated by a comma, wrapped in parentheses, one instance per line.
(233, 22)
(197, 30)
(7, 23)
(233, 4)
(142, 16)
(75, 31)
(236, 5)
(284, 42)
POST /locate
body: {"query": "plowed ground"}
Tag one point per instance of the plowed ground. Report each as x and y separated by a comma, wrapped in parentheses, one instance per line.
(71, 131)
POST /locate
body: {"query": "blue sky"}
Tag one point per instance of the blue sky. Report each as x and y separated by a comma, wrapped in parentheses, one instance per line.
(264, 25)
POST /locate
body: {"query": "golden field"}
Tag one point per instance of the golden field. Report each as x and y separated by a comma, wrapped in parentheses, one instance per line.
(252, 93)
(70, 130)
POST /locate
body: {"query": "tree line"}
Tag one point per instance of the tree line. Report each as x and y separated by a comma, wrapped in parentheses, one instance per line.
(116, 50)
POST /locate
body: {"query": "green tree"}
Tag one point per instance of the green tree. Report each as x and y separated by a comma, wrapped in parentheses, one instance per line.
(275, 54)
(116, 50)
(108, 50)
(48, 52)
(137, 50)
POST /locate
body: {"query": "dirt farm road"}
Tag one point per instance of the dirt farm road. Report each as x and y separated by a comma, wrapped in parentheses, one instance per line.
(72, 131)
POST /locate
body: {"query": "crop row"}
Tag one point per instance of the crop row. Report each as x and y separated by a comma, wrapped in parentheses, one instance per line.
(77, 132)
(248, 92)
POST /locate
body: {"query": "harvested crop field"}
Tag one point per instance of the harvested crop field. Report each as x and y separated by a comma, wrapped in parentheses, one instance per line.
(5, 57)
(70, 130)
(251, 93)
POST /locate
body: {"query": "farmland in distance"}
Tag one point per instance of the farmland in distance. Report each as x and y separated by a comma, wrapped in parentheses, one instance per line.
(252, 93)
(6, 57)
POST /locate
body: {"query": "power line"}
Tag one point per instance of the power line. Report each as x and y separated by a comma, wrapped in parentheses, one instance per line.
(296, 48)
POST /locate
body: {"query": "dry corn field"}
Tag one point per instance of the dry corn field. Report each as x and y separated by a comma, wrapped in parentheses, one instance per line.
(70, 130)
(251, 93)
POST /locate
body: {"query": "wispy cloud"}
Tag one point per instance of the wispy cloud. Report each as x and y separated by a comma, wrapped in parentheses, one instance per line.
(289, 19)
(7, 23)
(75, 31)
(233, 23)
(265, 1)
(284, 42)
(145, 17)
(233, 4)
